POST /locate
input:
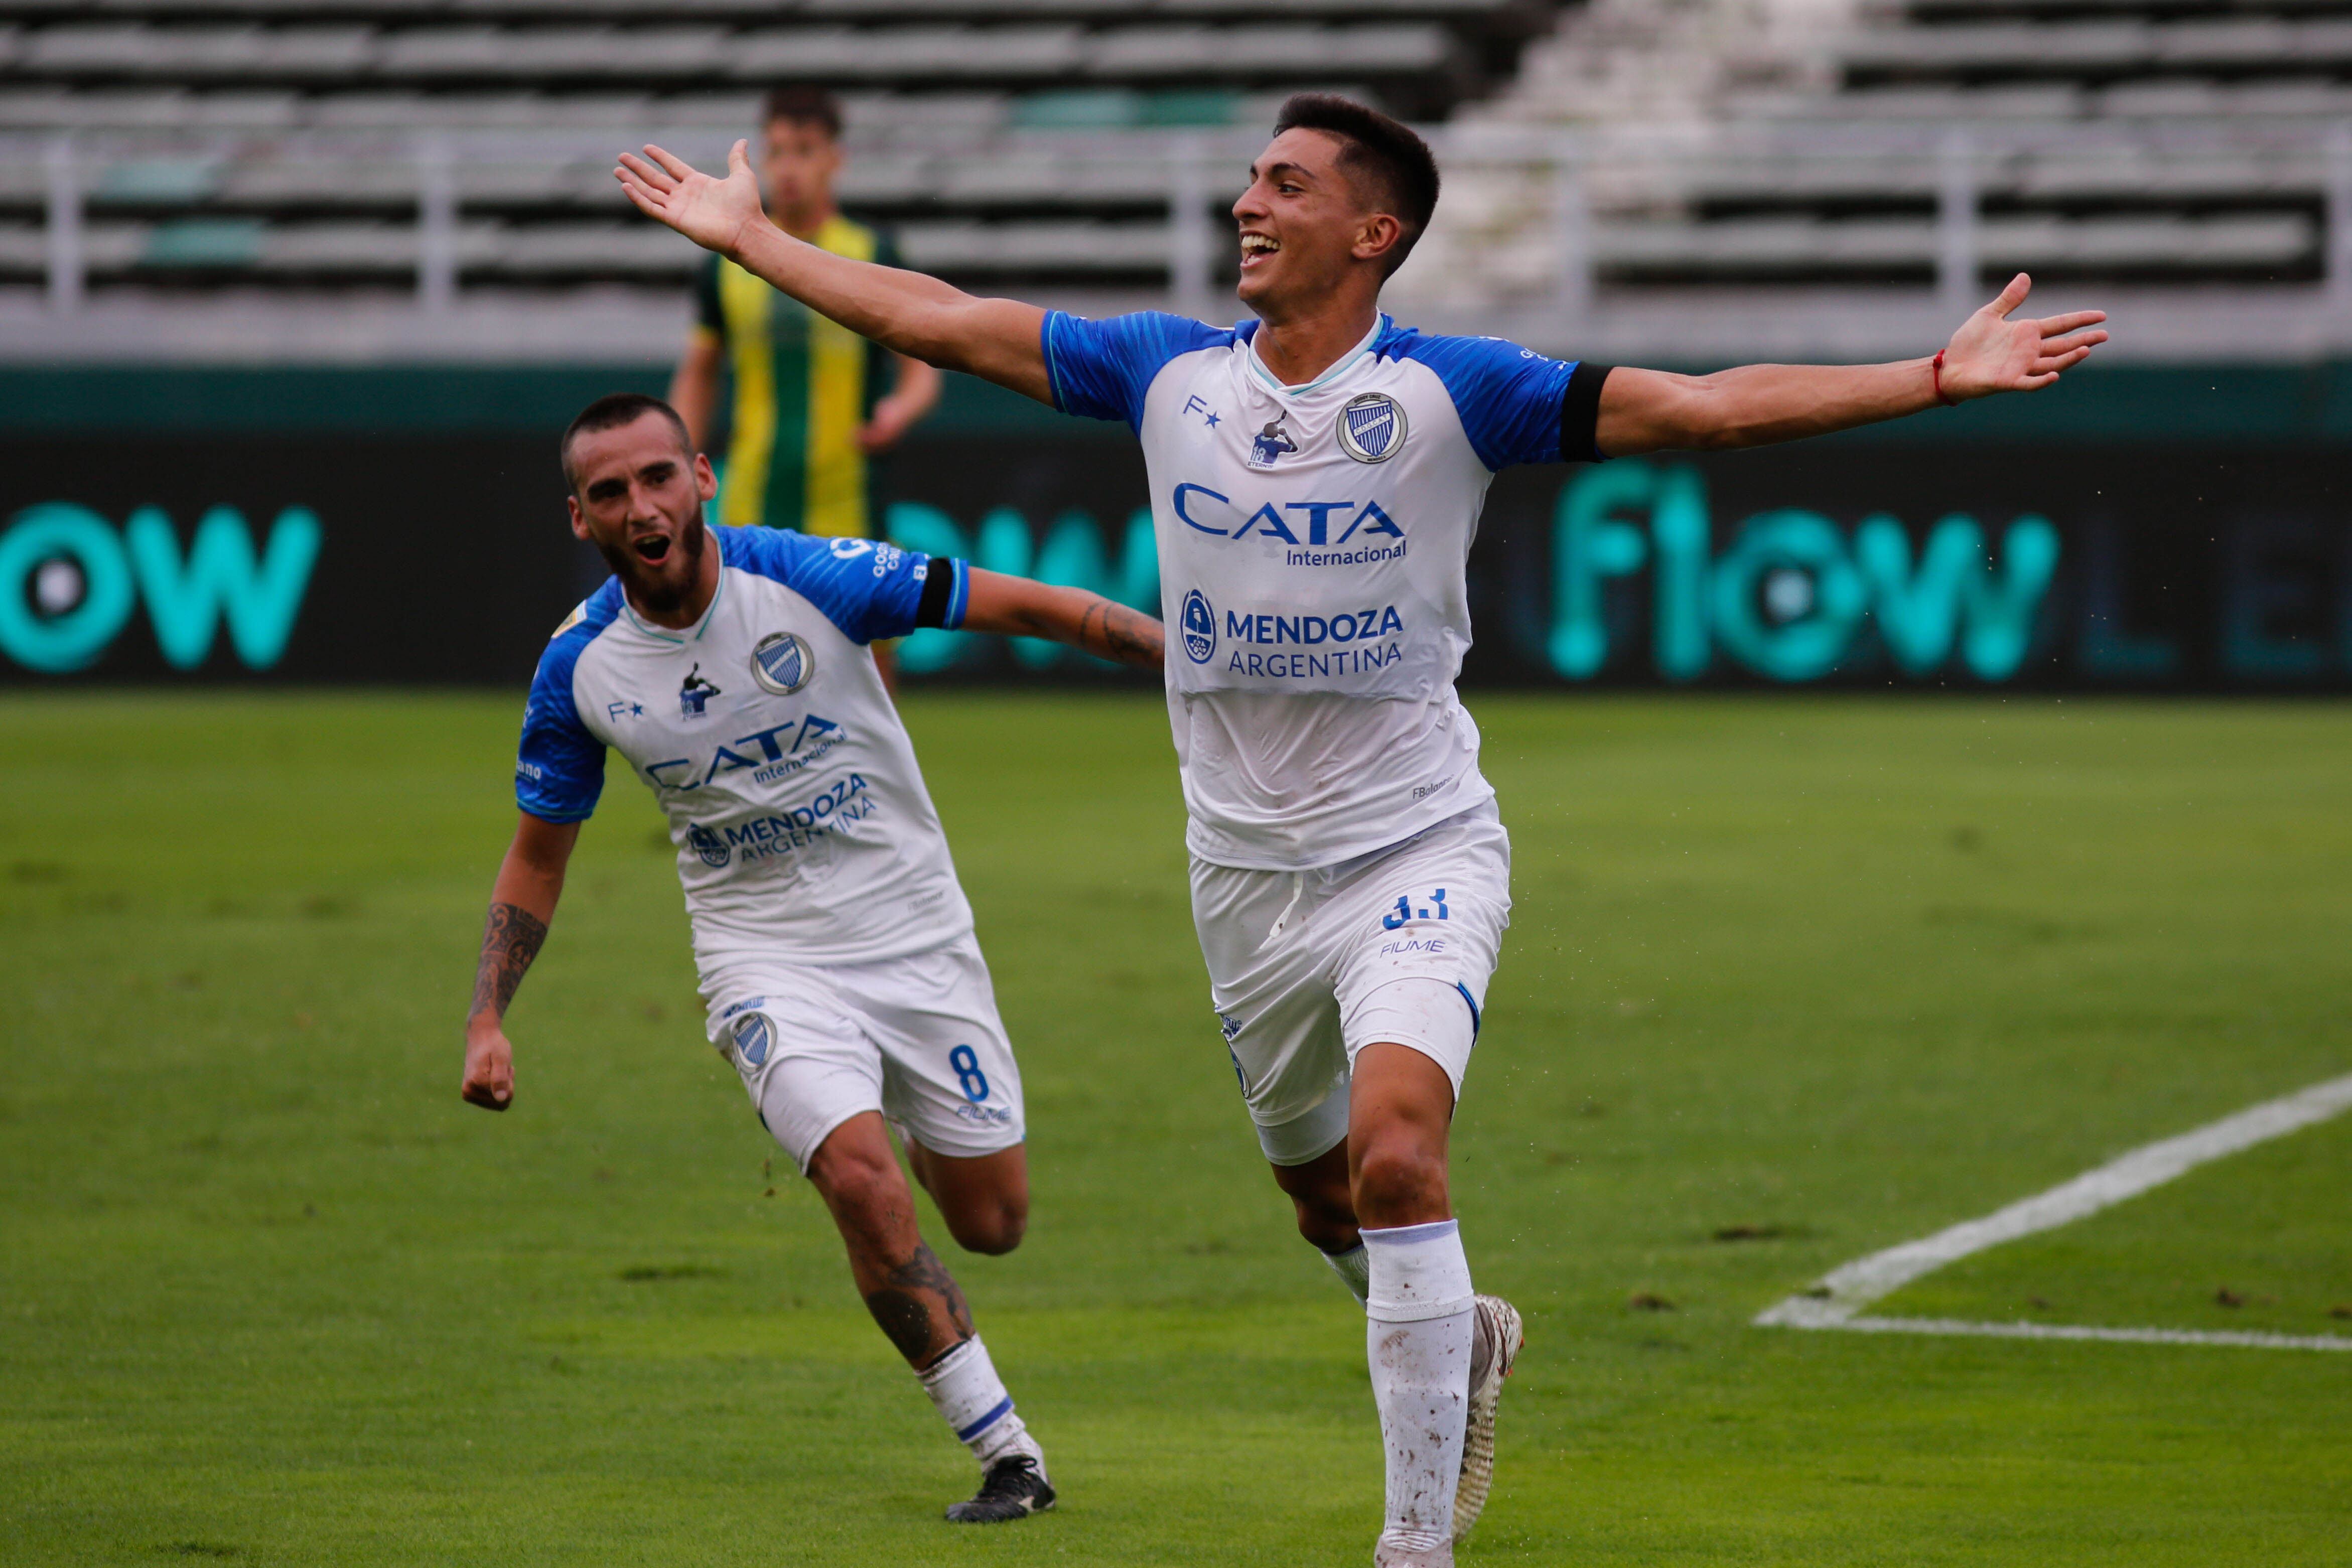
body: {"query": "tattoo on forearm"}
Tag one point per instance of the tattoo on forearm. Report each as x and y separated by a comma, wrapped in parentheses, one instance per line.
(904, 1308)
(1115, 631)
(510, 941)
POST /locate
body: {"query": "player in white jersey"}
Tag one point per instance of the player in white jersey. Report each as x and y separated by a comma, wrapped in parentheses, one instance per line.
(1317, 476)
(733, 670)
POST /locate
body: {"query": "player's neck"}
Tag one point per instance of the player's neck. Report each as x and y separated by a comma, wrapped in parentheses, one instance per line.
(1298, 348)
(805, 222)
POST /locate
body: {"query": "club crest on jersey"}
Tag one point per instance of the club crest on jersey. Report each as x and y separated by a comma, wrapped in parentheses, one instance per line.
(751, 1039)
(1200, 628)
(1270, 443)
(694, 692)
(783, 664)
(1372, 427)
(709, 845)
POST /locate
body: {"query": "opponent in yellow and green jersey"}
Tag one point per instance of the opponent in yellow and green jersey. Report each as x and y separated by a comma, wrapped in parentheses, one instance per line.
(803, 387)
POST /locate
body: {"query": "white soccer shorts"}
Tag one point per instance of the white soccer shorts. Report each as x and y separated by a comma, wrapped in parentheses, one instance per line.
(1306, 968)
(916, 1039)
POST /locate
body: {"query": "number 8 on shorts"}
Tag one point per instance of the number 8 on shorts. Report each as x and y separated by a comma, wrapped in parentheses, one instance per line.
(966, 1062)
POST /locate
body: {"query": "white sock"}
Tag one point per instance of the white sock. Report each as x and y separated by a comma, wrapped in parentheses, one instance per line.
(1421, 1326)
(1354, 1267)
(970, 1399)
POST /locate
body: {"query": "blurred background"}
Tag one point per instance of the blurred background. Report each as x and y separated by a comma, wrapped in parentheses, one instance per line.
(295, 296)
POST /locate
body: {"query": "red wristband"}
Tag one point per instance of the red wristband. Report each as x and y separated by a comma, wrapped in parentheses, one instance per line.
(1935, 374)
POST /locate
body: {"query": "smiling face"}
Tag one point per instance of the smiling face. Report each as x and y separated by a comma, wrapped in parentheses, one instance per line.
(637, 495)
(1309, 228)
(799, 161)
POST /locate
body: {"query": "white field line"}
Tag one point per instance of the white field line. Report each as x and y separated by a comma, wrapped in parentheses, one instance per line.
(1837, 1301)
(2246, 1337)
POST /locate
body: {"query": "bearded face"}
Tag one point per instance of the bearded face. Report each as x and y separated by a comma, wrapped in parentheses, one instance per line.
(638, 496)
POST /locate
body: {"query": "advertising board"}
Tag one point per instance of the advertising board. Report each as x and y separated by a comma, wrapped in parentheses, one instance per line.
(260, 558)
(334, 557)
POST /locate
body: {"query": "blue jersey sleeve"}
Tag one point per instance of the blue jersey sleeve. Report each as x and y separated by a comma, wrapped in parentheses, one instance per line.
(1510, 399)
(868, 588)
(559, 767)
(1102, 369)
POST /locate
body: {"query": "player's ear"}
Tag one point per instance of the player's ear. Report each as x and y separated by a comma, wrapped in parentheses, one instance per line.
(578, 519)
(1377, 236)
(706, 478)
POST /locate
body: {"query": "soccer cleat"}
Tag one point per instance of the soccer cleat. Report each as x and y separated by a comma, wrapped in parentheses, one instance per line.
(1014, 1487)
(1498, 1323)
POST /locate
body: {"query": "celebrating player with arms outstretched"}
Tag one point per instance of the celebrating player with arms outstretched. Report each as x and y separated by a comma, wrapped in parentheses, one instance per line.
(733, 669)
(1317, 476)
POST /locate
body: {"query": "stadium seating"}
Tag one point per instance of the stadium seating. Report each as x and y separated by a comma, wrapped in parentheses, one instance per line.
(1645, 144)
(291, 143)
(2186, 142)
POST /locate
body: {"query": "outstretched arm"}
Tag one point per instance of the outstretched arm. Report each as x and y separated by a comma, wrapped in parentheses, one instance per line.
(997, 339)
(1020, 608)
(522, 900)
(1651, 411)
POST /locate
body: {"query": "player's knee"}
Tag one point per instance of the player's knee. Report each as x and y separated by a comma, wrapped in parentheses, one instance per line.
(992, 1229)
(1326, 1233)
(1325, 1219)
(860, 1189)
(1398, 1182)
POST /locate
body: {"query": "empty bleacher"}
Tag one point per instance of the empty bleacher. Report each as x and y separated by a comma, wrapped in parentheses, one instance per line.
(2157, 143)
(1643, 148)
(294, 143)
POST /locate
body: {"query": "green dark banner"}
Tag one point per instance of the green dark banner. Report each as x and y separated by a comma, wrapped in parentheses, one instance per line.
(423, 556)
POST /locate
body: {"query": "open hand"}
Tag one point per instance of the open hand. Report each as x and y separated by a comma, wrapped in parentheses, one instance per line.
(711, 213)
(892, 418)
(1990, 353)
(489, 1069)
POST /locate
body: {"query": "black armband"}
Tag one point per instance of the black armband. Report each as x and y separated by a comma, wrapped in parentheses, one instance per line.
(938, 592)
(1580, 414)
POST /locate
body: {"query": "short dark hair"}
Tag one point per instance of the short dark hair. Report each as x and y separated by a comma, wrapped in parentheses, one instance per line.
(613, 411)
(804, 106)
(1379, 153)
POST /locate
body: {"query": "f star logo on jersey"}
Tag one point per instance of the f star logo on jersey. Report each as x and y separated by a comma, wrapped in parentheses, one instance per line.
(1200, 628)
(1301, 523)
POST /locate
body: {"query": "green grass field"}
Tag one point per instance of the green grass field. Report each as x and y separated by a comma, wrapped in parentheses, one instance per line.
(1824, 976)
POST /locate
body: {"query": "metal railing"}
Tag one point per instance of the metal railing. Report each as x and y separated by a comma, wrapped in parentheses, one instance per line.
(1580, 202)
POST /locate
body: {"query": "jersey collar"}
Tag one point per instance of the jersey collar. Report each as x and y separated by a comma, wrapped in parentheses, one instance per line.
(693, 633)
(1347, 361)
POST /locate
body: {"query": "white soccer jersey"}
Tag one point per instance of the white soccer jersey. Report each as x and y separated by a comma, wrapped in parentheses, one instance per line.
(803, 829)
(1312, 543)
